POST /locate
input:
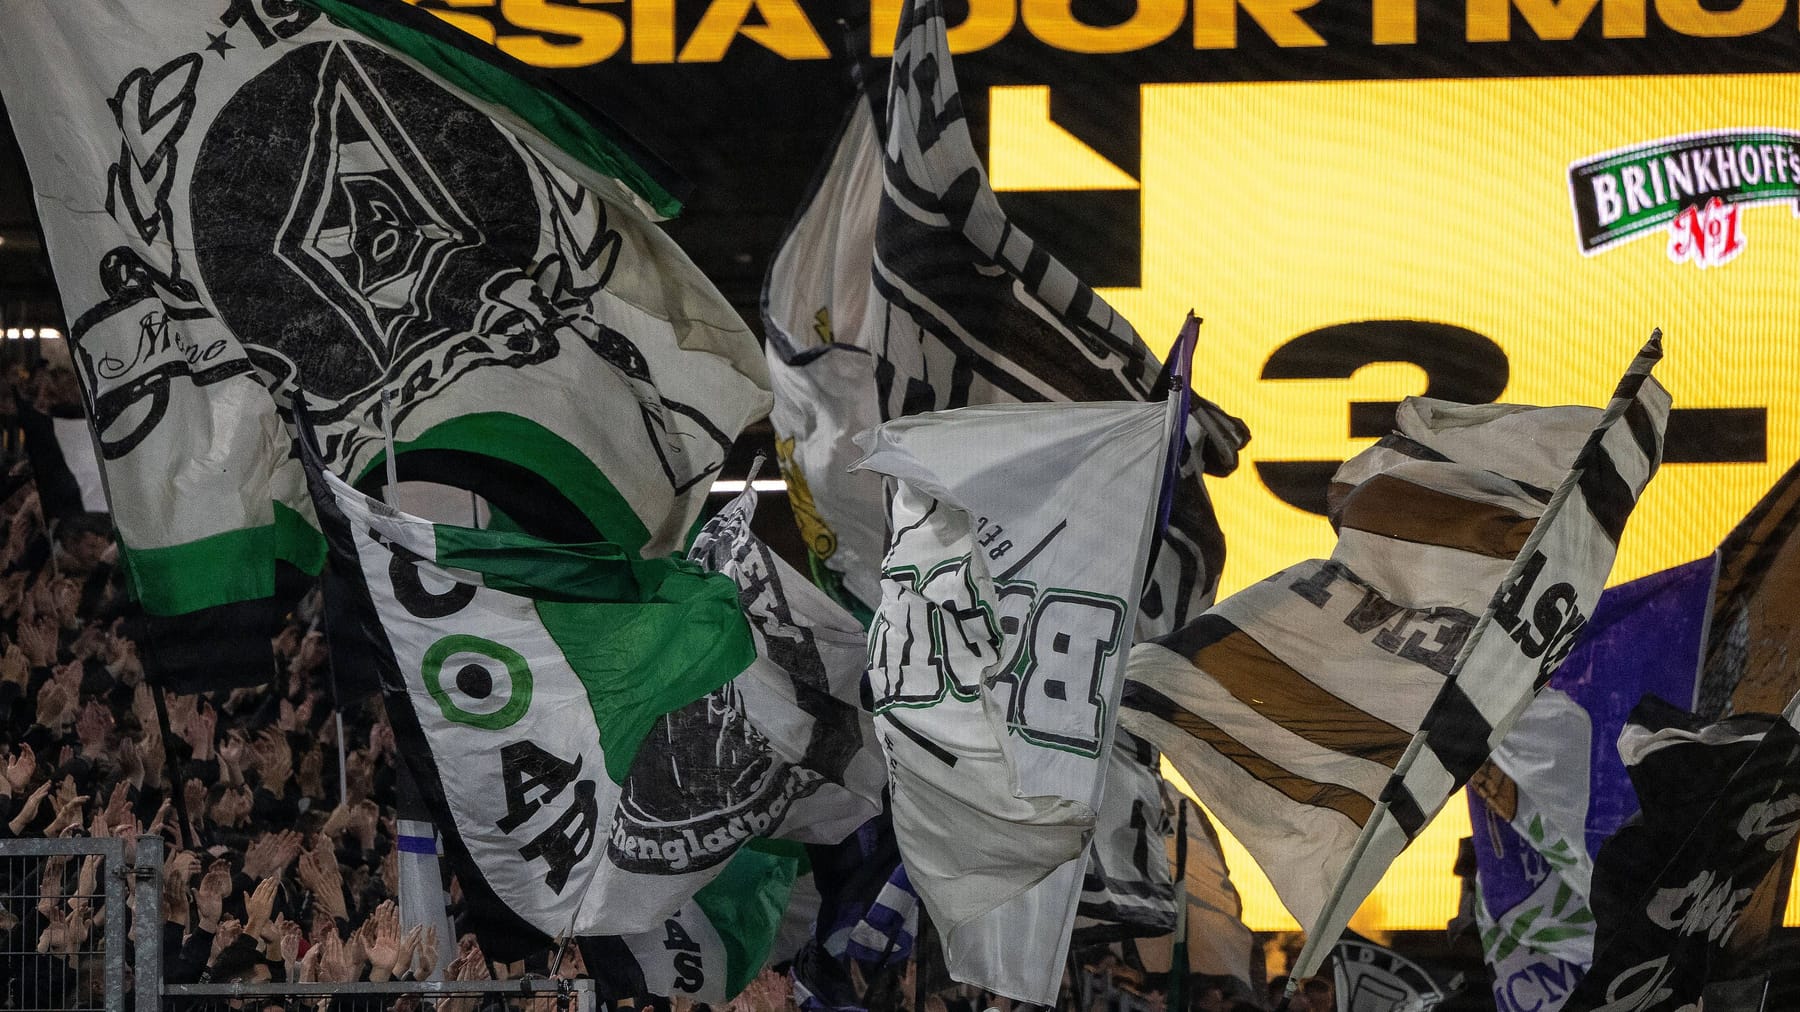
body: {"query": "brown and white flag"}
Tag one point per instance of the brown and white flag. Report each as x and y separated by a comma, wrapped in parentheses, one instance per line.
(1327, 712)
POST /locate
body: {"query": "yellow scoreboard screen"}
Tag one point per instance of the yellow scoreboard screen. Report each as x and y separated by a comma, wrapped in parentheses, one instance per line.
(1482, 200)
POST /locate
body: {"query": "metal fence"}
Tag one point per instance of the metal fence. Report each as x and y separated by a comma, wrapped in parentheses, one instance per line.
(63, 925)
(529, 995)
(64, 947)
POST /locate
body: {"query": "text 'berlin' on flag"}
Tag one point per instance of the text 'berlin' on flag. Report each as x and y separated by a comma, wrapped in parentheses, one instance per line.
(1324, 714)
(247, 201)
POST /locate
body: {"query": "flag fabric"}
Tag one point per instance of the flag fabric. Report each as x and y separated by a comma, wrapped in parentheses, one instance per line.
(802, 694)
(1755, 627)
(1671, 887)
(1331, 709)
(901, 288)
(1128, 890)
(1212, 939)
(710, 948)
(536, 672)
(245, 201)
(63, 463)
(1009, 598)
(1556, 789)
(605, 772)
(1374, 978)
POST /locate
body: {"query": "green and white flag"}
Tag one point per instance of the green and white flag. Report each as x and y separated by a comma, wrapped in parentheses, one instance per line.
(524, 678)
(245, 200)
(1009, 598)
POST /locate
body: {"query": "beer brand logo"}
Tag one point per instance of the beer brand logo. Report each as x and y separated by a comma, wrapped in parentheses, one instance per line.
(1691, 188)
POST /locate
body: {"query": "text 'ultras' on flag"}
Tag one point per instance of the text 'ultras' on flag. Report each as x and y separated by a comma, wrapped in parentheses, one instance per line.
(1326, 713)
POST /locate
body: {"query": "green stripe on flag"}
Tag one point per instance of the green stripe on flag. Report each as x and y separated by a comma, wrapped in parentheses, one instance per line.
(521, 441)
(225, 568)
(745, 904)
(639, 661)
(645, 636)
(298, 541)
(482, 79)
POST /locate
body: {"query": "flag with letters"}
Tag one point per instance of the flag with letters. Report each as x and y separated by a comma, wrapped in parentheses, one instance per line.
(1555, 789)
(901, 288)
(1010, 589)
(578, 720)
(1721, 805)
(1332, 708)
(246, 199)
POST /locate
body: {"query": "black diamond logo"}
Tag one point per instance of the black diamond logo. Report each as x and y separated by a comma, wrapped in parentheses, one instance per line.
(371, 226)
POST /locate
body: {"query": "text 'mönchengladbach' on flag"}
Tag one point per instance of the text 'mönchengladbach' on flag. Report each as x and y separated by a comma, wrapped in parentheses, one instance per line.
(1327, 712)
(244, 201)
(902, 287)
(1021, 534)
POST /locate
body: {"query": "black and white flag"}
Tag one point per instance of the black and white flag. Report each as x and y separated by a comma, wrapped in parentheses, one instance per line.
(245, 200)
(1721, 805)
(902, 288)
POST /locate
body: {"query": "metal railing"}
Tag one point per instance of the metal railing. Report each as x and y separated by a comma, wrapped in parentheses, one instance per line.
(525, 995)
(64, 948)
(62, 925)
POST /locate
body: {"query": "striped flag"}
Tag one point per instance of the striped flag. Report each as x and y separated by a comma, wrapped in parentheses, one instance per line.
(1326, 713)
(902, 288)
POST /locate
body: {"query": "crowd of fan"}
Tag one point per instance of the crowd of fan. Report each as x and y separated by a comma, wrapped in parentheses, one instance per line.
(272, 872)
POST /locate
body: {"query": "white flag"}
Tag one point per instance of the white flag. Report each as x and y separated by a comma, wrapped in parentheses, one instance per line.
(1008, 602)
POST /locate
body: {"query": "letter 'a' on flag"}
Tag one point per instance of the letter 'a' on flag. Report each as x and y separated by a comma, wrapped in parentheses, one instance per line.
(246, 201)
(901, 288)
(1021, 534)
(1326, 713)
(601, 739)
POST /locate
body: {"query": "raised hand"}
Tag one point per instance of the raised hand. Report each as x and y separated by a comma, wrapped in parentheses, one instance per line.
(209, 899)
(118, 805)
(201, 730)
(229, 932)
(55, 707)
(428, 952)
(38, 639)
(290, 942)
(29, 809)
(319, 872)
(68, 815)
(407, 949)
(257, 908)
(20, 767)
(383, 938)
(93, 727)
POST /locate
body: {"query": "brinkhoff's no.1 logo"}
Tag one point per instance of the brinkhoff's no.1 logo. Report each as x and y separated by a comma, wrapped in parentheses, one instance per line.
(1692, 188)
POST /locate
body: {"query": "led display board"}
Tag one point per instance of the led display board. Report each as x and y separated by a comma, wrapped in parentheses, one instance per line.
(1364, 199)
